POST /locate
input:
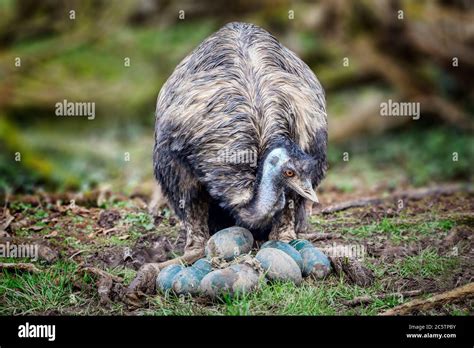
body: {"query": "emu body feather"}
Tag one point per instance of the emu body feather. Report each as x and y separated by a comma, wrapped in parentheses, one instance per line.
(240, 92)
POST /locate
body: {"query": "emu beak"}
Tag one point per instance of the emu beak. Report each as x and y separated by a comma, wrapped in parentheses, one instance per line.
(304, 189)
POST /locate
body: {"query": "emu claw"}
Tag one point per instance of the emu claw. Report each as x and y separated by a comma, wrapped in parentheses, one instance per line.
(143, 284)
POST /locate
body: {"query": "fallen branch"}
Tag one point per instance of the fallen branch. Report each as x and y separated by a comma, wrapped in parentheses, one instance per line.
(362, 202)
(83, 199)
(20, 266)
(75, 254)
(361, 300)
(409, 194)
(456, 294)
(318, 236)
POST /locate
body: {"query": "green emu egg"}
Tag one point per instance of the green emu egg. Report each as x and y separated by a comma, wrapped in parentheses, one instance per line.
(278, 265)
(187, 280)
(299, 244)
(229, 243)
(236, 279)
(165, 278)
(203, 265)
(286, 248)
(315, 263)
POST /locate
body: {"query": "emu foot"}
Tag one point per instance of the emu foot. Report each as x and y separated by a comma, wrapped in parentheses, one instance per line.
(189, 257)
(144, 282)
(284, 235)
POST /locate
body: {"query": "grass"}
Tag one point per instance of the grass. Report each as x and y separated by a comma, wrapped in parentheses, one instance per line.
(311, 298)
(49, 290)
(456, 310)
(427, 264)
(398, 230)
(135, 224)
(52, 290)
(20, 206)
(126, 273)
(139, 219)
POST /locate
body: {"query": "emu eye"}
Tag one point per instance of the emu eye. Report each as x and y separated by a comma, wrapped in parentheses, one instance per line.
(289, 173)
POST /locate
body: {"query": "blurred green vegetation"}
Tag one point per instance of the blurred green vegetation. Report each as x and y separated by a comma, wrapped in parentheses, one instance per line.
(406, 157)
(83, 60)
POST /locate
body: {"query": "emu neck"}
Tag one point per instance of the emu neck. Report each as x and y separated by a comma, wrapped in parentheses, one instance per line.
(269, 195)
(269, 191)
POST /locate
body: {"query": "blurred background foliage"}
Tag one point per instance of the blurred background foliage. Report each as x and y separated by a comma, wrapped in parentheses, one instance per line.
(82, 59)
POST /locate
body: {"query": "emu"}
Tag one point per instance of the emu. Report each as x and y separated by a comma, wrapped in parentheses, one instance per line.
(240, 91)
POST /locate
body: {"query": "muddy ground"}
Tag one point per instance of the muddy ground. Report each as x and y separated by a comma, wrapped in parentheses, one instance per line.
(415, 247)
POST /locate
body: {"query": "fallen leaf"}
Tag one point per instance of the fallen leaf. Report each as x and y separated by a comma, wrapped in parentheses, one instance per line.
(106, 231)
(20, 224)
(4, 234)
(126, 236)
(8, 219)
(52, 234)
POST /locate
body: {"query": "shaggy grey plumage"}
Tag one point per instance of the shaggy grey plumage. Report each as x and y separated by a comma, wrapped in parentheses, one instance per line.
(240, 91)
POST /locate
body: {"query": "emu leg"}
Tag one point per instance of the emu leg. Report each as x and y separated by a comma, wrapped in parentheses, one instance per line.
(284, 226)
(197, 234)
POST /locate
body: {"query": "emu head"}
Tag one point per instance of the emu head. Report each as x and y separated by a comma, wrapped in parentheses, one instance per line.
(291, 169)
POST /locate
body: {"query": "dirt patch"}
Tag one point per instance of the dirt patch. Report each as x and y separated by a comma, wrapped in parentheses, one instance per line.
(149, 248)
(108, 218)
(459, 235)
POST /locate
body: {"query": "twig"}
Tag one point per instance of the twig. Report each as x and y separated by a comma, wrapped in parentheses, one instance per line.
(368, 299)
(20, 266)
(318, 236)
(439, 299)
(409, 194)
(107, 231)
(362, 202)
(101, 273)
(75, 254)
